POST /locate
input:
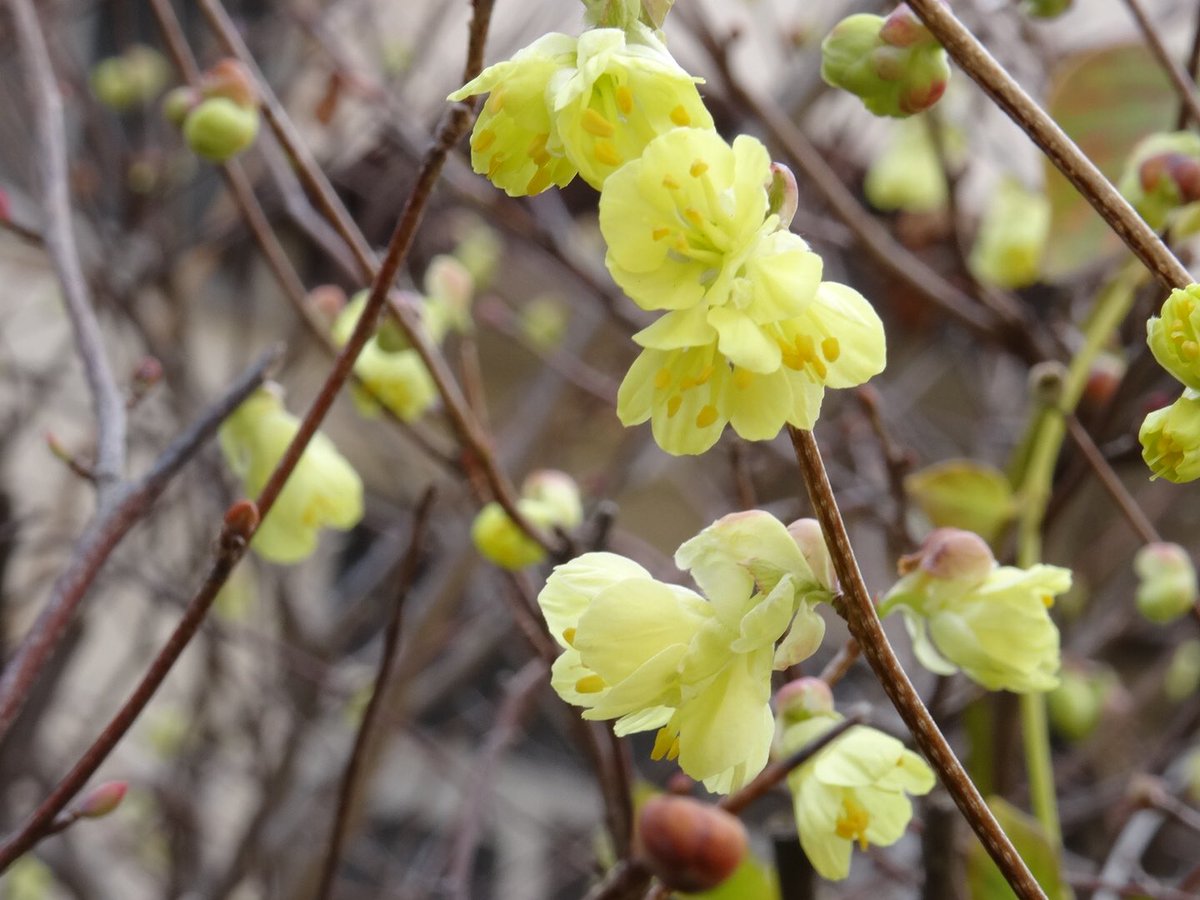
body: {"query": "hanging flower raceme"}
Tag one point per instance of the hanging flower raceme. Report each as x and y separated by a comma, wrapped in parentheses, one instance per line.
(323, 491)
(398, 380)
(855, 790)
(965, 612)
(585, 105)
(659, 656)
(751, 336)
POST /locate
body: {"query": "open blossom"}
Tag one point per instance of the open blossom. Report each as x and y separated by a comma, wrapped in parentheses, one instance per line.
(585, 105)
(854, 791)
(660, 656)
(965, 612)
(323, 491)
(1174, 335)
(1170, 439)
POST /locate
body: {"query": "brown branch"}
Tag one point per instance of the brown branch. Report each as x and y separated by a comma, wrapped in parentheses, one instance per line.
(975, 60)
(863, 620)
(1137, 518)
(51, 150)
(1184, 86)
(391, 643)
(1193, 62)
(102, 537)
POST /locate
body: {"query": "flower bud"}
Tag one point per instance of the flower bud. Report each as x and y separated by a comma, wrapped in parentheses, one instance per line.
(1046, 9)
(1170, 439)
(559, 493)
(902, 28)
(1074, 706)
(449, 290)
(178, 103)
(1174, 335)
(543, 321)
(803, 699)
(1166, 582)
(951, 554)
(691, 846)
(102, 800)
(908, 174)
(1047, 380)
(1161, 174)
(783, 196)
(1182, 678)
(133, 78)
(1012, 237)
(229, 79)
(479, 248)
(1103, 379)
(219, 129)
(809, 538)
(327, 300)
(611, 13)
(500, 541)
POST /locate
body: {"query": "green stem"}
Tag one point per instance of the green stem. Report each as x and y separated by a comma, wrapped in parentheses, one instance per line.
(1049, 429)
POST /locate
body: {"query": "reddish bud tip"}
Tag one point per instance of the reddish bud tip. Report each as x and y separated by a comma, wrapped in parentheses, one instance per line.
(102, 799)
(804, 698)
(327, 299)
(230, 79)
(689, 845)
(903, 29)
(920, 99)
(680, 784)
(951, 554)
(148, 373)
(242, 518)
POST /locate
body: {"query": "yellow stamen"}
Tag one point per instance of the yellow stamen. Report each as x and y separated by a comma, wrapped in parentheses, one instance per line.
(569, 636)
(537, 146)
(659, 233)
(680, 117)
(590, 684)
(853, 822)
(607, 154)
(669, 183)
(673, 406)
(1047, 600)
(707, 416)
(673, 753)
(1189, 350)
(483, 140)
(705, 374)
(662, 379)
(594, 123)
(792, 359)
(624, 99)
(662, 743)
(539, 182)
(495, 102)
(699, 167)
(742, 379)
(831, 348)
(818, 366)
(806, 347)
(494, 164)
(693, 215)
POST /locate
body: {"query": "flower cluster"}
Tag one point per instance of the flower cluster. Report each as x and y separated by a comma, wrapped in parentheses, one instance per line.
(549, 499)
(750, 335)
(1170, 436)
(323, 491)
(695, 667)
(965, 612)
(894, 65)
(854, 791)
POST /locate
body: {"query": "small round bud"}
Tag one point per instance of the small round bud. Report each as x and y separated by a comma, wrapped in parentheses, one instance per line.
(229, 79)
(951, 554)
(1046, 382)
(242, 518)
(500, 541)
(148, 373)
(178, 103)
(102, 799)
(559, 492)
(1167, 582)
(691, 846)
(1182, 678)
(328, 300)
(1074, 706)
(1103, 379)
(543, 320)
(803, 699)
(219, 129)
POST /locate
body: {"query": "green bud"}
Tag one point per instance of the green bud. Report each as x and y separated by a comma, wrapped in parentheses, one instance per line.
(1183, 673)
(543, 320)
(1074, 707)
(963, 493)
(178, 103)
(1046, 9)
(611, 13)
(500, 541)
(803, 699)
(1012, 237)
(1166, 582)
(1162, 174)
(1174, 335)
(219, 129)
(1170, 439)
(131, 79)
(908, 174)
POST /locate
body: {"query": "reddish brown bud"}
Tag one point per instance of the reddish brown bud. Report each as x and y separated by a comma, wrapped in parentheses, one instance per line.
(689, 845)
(951, 554)
(230, 79)
(327, 299)
(680, 784)
(1103, 379)
(102, 799)
(148, 373)
(1179, 168)
(902, 28)
(242, 518)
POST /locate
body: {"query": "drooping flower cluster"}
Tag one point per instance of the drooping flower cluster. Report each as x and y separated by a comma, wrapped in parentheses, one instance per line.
(549, 499)
(963, 611)
(695, 667)
(894, 65)
(323, 491)
(855, 790)
(751, 336)
(1170, 437)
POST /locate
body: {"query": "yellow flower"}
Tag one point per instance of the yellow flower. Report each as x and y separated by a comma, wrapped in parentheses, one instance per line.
(854, 791)
(398, 380)
(323, 491)
(565, 105)
(993, 622)
(659, 656)
(1174, 335)
(1170, 439)
(1012, 237)
(549, 499)
(691, 392)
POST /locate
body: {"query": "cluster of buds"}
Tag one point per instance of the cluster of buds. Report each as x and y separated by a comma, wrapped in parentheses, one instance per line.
(1162, 175)
(220, 118)
(894, 65)
(130, 80)
(549, 499)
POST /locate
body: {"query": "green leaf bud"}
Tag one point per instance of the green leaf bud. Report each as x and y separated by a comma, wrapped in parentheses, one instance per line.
(219, 129)
(1166, 582)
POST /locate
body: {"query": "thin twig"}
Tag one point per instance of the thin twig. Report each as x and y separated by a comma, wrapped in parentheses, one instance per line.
(98, 542)
(391, 642)
(835, 670)
(1193, 62)
(107, 400)
(866, 628)
(1180, 80)
(1138, 520)
(975, 60)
